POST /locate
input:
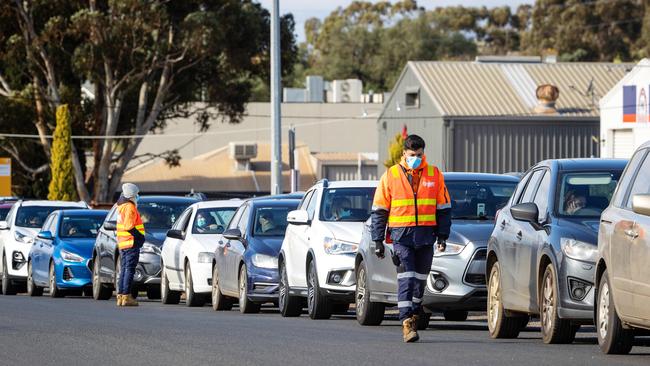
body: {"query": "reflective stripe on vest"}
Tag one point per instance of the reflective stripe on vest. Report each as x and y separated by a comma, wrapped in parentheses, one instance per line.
(403, 210)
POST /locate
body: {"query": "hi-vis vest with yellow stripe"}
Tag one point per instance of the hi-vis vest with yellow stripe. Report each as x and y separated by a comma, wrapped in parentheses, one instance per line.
(403, 210)
(128, 217)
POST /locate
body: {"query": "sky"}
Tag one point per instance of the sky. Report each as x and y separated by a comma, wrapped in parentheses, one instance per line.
(305, 9)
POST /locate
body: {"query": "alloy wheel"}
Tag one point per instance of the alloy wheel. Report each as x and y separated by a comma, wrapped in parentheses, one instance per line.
(494, 302)
(30, 280)
(96, 284)
(361, 291)
(215, 286)
(603, 311)
(282, 295)
(311, 292)
(548, 307)
(242, 288)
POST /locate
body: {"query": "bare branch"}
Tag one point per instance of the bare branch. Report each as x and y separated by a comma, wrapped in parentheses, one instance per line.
(13, 151)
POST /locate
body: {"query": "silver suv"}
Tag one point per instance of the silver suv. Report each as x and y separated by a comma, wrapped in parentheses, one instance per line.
(456, 283)
(622, 273)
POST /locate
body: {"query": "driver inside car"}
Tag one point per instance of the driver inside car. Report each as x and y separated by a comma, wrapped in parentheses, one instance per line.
(341, 208)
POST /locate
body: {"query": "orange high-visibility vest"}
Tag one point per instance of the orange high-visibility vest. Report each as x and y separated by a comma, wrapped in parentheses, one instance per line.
(128, 218)
(408, 208)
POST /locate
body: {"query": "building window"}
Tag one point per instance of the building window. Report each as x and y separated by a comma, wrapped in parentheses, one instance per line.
(412, 99)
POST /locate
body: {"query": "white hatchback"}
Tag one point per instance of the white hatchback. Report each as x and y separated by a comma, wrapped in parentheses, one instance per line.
(188, 251)
(316, 260)
(17, 233)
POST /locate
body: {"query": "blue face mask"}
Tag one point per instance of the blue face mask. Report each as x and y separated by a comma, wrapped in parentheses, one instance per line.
(201, 221)
(413, 161)
(345, 213)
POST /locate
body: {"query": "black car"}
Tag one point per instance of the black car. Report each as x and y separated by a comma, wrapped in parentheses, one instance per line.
(542, 253)
(158, 215)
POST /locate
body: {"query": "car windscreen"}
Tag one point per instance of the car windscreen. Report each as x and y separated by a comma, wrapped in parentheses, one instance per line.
(161, 215)
(3, 213)
(585, 194)
(478, 200)
(34, 216)
(347, 204)
(271, 221)
(212, 220)
(80, 226)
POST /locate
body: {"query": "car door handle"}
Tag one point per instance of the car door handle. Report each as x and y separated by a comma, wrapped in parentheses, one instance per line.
(520, 235)
(603, 221)
(503, 224)
(631, 233)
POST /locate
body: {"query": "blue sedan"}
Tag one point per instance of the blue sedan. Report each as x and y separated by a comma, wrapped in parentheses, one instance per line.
(59, 256)
(245, 266)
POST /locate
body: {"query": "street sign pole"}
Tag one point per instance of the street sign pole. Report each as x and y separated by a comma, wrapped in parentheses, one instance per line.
(276, 126)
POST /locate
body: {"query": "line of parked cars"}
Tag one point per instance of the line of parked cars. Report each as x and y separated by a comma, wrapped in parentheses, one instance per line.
(566, 243)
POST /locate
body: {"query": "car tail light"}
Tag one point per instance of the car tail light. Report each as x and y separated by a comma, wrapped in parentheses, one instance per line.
(388, 240)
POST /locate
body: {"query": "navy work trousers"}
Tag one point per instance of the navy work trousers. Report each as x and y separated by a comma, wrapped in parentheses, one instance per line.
(129, 259)
(412, 277)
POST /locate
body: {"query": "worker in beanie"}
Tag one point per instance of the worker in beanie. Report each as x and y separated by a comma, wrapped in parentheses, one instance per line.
(130, 238)
(413, 202)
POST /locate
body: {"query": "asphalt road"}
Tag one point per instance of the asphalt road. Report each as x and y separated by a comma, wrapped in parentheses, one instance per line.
(81, 331)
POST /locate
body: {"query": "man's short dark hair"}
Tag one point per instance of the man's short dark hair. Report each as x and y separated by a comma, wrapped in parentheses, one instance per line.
(414, 142)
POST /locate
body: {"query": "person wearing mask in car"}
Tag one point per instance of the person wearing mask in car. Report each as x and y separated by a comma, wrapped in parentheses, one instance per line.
(205, 223)
(341, 208)
(574, 202)
(413, 202)
(130, 238)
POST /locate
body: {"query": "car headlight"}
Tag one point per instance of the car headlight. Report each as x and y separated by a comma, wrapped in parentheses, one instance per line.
(23, 238)
(71, 257)
(264, 261)
(333, 246)
(205, 257)
(149, 248)
(451, 249)
(579, 250)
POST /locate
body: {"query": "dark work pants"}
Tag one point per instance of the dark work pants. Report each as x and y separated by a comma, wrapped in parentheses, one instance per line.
(130, 258)
(412, 277)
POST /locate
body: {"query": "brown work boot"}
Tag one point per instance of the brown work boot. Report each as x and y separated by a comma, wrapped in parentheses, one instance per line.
(409, 331)
(120, 300)
(129, 301)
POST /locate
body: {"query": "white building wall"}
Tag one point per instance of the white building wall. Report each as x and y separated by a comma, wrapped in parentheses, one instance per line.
(613, 128)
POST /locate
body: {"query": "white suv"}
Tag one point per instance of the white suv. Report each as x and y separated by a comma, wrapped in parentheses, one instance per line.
(317, 256)
(17, 233)
(188, 251)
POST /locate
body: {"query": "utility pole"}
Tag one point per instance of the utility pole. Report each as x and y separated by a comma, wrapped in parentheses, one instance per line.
(276, 126)
(293, 160)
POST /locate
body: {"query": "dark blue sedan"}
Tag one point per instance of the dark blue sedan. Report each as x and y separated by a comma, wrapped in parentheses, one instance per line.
(246, 260)
(59, 256)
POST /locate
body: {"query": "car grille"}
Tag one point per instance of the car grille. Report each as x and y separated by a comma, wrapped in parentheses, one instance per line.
(472, 278)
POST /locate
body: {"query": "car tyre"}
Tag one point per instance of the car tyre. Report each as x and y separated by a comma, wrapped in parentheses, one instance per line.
(318, 306)
(290, 306)
(153, 292)
(101, 291)
(219, 300)
(423, 320)
(32, 288)
(554, 329)
(455, 315)
(54, 289)
(368, 312)
(192, 299)
(8, 286)
(246, 306)
(612, 337)
(167, 296)
(500, 325)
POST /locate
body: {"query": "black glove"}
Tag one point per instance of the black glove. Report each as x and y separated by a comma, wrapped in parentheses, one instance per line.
(379, 248)
(442, 245)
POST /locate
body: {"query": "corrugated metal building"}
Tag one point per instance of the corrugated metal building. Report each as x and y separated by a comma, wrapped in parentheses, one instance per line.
(484, 116)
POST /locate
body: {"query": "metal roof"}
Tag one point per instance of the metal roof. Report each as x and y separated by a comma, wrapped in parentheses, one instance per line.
(508, 89)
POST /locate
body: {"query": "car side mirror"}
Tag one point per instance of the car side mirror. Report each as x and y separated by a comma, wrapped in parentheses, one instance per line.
(641, 204)
(176, 234)
(4, 225)
(232, 234)
(298, 217)
(45, 235)
(110, 225)
(528, 212)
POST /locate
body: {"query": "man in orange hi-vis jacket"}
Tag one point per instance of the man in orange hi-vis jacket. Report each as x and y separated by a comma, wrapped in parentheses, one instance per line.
(413, 202)
(130, 238)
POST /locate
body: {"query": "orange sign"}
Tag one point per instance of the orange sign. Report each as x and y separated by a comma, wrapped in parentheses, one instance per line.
(5, 177)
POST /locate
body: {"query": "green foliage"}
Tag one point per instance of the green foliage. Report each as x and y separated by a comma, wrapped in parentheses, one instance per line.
(62, 184)
(395, 150)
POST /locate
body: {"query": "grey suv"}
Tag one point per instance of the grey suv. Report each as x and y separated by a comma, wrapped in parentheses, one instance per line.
(456, 283)
(623, 274)
(542, 254)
